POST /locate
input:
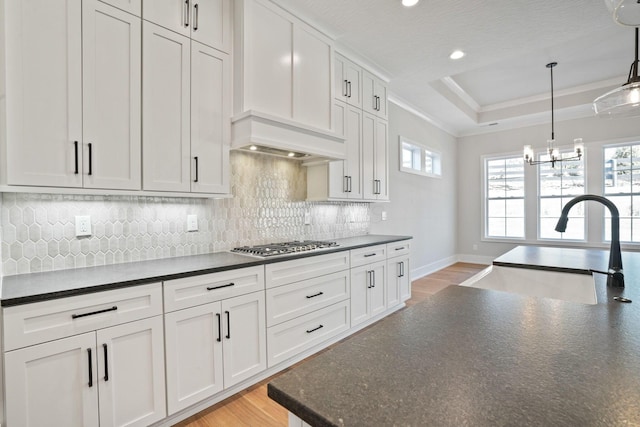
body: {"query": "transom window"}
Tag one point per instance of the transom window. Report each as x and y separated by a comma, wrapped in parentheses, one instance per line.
(622, 187)
(415, 158)
(504, 188)
(556, 186)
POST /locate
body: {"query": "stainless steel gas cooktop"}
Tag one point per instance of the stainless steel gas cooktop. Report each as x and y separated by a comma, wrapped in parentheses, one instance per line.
(285, 248)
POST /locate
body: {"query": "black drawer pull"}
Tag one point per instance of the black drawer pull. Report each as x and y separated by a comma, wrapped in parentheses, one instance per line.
(211, 288)
(368, 255)
(228, 336)
(106, 363)
(90, 368)
(219, 328)
(314, 329)
(75, 150)
(400, 249)
(75, 316)
(315, 295)
(90, 159)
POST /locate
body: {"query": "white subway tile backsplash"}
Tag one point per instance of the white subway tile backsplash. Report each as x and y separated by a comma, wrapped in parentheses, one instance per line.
(37, 231)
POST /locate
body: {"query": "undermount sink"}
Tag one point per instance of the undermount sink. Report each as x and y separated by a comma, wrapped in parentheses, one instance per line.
(537, 283)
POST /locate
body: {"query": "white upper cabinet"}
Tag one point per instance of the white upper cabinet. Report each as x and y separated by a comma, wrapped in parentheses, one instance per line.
(44, 92)
(210, 113)
(166, 110)
(375, 149)
(111, 44)
(374, 95)
(207, 21)
(73, 95)
(347, 81)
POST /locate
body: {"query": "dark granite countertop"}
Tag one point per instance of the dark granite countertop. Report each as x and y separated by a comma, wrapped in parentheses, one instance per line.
(26, 288)
(476, 357)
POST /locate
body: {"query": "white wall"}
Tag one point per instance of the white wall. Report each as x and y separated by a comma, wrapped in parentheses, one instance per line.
(422, 207)
(594, 131)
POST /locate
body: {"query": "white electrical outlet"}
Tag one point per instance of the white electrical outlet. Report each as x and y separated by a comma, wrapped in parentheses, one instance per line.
(384, 215)
(83, 225)
(307, 218)
(192, 222)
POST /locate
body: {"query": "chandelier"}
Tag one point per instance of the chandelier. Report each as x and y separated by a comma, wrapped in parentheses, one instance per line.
(554, 154)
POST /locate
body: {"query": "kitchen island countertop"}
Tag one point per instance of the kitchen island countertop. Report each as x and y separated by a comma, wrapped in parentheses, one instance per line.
(33, 287)
(477, 357)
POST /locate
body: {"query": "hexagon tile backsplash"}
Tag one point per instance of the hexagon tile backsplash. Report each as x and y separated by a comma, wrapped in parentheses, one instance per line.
(37, 231)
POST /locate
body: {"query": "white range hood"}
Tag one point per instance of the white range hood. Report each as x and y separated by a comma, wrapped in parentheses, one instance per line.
(282, 136)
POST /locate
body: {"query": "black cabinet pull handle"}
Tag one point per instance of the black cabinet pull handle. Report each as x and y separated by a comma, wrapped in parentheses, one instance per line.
(399, 269)
(75, 148)
(345, 184)
(373, 276)
(90, 367)
(314, 329)
(211, 288)
(400, 248)
(349, 89)
(195, 18)
(76, 316)
(196, 159)
(346, 88)
(315, 295)
(402, 268)
(219, 328)
(186, 14)
(350, 187)
(369, 279)
(106, 362)
(369, 255)
(228, 325)
(90, 158)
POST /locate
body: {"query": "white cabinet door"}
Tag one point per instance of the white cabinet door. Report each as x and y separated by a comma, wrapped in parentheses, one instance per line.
(210, 125)
(212, 23)
(340, 82)
(381, 160)
(111, 97)
(194, 355)
(347, 81)
(44, 92)
(374, 95)
(312, 78)
(382, 102)
(53, 384)
(131, 373)
(360, 283)
(354, 151)
(378, 288)
(375, 149)
(166, 113)
(405, 279)
(244, 337)
(398, 281)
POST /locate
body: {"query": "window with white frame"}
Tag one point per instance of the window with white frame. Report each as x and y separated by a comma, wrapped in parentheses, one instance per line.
(622, 187)
(504, 196)
(556, 186)
(418, 159)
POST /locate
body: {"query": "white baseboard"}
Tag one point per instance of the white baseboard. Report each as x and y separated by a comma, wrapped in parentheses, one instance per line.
(425, 270)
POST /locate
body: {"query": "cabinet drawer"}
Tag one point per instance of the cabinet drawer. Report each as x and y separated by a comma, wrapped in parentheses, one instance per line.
(196, 290)
(290, 301)
(368, 255)
(398, 248)
(295, 336)
(282, 273)
(39, 322)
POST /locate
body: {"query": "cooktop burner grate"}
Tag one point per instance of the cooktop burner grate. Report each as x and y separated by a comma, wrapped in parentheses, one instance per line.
(284, 248)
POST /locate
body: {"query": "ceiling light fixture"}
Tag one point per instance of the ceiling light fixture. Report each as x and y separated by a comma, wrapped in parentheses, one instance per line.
(554, 154)
(623, 101)
(456, 54)
(625, 12)
(409, 3)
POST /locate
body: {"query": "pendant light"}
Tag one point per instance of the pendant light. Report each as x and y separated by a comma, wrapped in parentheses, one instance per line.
(625, 12)
(554, 154)
(625, 100)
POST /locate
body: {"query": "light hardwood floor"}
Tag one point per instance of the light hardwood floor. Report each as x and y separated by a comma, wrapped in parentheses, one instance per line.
(252, 407)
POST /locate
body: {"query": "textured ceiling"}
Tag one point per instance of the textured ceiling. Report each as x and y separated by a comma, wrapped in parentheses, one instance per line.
(508, 43)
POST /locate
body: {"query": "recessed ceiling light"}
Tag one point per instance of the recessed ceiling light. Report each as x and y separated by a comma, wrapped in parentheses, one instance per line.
(456, 54)
(409, 3)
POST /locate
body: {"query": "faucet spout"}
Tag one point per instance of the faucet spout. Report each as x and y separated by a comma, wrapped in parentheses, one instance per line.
(614, 275)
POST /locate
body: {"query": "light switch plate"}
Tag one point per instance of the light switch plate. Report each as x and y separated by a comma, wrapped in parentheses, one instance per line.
(192, 222)
(83, 225)
(384, 215)
(307, 218)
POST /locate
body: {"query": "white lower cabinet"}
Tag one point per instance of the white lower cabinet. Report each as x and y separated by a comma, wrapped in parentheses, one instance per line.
(111, 377)
(368, 292)
(212, 347)
(398, 272)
